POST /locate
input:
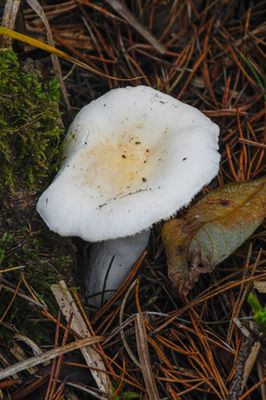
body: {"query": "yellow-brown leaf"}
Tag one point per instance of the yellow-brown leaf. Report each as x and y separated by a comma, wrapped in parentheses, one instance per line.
(212, 230)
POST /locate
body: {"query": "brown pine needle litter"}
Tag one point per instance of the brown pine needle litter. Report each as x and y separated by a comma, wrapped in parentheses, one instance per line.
(147, 342)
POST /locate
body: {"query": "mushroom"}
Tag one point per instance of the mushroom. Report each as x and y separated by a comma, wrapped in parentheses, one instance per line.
(131, 158)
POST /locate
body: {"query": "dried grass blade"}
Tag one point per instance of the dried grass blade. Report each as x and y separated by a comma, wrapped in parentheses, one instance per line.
(35, 5)
(9, 19)
(144, 358)
(49, 355)
(92, 357)
(249, 364)
(262, 373)
(130, 18)
(11, 269)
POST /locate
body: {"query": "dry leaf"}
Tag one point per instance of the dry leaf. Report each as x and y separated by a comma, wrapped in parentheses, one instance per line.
(212, 230)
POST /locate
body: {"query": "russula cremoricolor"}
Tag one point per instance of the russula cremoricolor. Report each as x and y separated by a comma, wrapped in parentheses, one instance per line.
(131, 158)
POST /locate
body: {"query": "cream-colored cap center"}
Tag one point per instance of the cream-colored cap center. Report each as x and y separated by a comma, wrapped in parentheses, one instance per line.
(117, 168)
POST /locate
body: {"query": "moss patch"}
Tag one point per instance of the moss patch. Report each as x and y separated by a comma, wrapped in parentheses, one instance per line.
(30, 125)
(30, 137)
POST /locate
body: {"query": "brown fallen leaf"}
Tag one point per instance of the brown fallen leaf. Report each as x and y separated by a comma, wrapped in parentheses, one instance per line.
(212, 230)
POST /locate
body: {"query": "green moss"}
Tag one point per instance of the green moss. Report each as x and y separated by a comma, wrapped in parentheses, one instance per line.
(30, 140)
(127, 396)
(30, 125)
(5, 240)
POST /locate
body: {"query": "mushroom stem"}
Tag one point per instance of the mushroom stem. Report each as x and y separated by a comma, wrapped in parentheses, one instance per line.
(109, 263)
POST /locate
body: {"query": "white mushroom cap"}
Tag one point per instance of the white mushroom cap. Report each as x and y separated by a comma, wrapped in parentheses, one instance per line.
(132, 157)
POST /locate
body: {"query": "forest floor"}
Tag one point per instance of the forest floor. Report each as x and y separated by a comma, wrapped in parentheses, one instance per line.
(151, 342)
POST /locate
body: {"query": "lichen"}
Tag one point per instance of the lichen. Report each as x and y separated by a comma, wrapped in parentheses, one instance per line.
(30, 125)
